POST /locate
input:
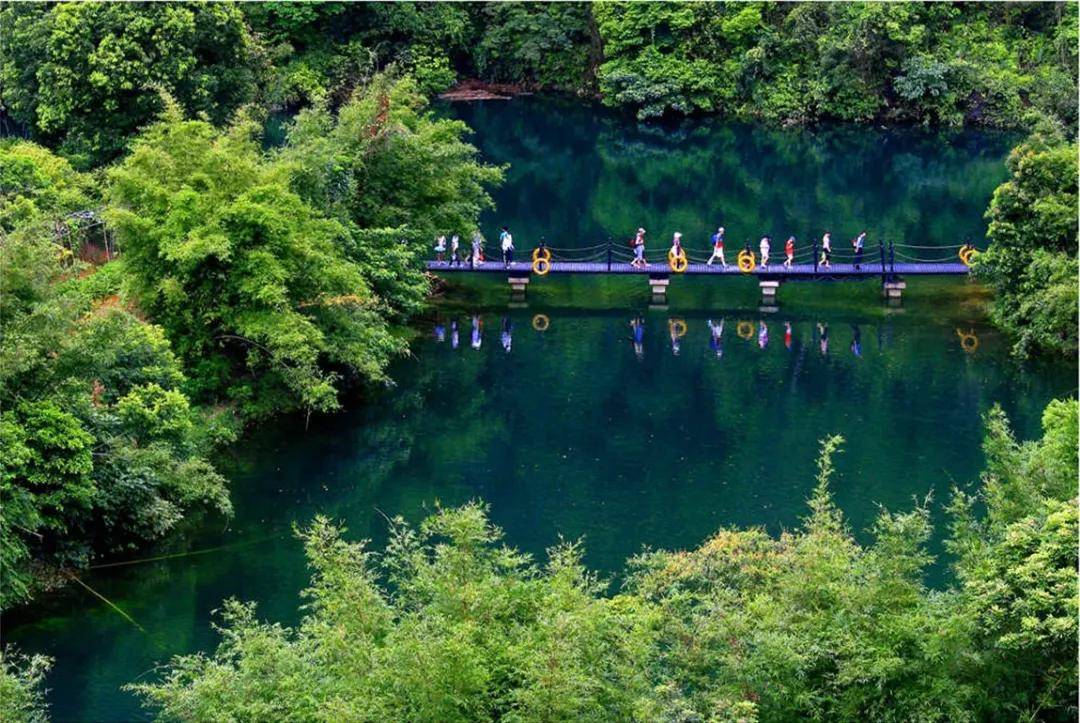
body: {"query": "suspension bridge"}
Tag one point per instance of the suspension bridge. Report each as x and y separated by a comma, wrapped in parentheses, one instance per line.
(889, 262)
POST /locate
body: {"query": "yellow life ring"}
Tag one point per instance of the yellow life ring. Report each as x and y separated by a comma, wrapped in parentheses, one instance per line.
(546, 254)
(745, 330)
(967, 253)
(969, 342)
(746, 261)
(678, 263)
(540, 267)
(540, 322)
(677, 327)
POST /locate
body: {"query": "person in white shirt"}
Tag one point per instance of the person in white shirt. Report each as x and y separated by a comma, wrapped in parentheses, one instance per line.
(718, 248)
(455, 243)
(764, 247)
(477, 249)
(440, 248)
(506, 241)
(826, 250)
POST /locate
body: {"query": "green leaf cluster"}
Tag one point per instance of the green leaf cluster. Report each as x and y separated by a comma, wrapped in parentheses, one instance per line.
(1032, 261)
(448, 623)
(82, 75)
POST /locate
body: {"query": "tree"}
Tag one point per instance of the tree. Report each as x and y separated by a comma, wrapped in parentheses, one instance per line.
(251, 284)
(1031, 263)
(395, 176)
(100, 445)
(82, 74)
(447, 623)
(22, 698)
(1017, 566)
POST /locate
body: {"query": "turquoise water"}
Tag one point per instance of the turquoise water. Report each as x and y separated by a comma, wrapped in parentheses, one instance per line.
(573, 430)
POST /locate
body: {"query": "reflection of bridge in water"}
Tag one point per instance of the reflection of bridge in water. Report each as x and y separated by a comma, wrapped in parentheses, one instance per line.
(889, 263)
(716, 329)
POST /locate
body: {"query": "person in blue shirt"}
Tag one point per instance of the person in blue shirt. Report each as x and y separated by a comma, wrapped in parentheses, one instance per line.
(858, 244)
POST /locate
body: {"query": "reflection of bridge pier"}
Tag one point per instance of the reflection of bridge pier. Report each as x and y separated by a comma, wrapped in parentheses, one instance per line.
(519, 284)
(893, 290)
(658, 284)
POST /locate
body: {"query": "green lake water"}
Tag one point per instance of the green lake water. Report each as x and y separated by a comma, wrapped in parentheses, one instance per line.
(572, 430)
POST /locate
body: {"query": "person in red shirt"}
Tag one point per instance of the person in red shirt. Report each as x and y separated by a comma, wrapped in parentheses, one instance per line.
(789, 251)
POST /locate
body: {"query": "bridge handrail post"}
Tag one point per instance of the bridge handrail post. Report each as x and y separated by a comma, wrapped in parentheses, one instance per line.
(892, 258)
(609, 253)
(815, 256)
(881, 253)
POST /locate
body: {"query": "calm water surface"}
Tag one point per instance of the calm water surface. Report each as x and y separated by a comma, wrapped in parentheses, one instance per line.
(712, 420)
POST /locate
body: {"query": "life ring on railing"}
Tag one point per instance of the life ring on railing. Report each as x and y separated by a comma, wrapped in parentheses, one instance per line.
(677, 327)
(969, 342)
(541, 252)
(745, 330)
(540, 267)
(746, 261)
(540, 322)
(967, 253)
(677, 263)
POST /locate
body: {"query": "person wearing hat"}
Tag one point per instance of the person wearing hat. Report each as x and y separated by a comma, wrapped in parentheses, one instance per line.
(718, 248)
(639, 250)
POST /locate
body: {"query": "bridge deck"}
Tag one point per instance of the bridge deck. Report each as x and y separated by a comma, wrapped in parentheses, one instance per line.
(777, 271)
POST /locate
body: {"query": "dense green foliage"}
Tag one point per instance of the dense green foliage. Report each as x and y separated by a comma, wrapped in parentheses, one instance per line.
(926, 62)
(100, 445)
(450, 624)
(1031, 263)
(275, 275)
(82, 75)
(22, 698)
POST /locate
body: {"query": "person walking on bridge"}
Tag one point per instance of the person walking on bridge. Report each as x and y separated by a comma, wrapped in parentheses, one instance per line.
(826, 250)
(477, 248)
(455, 244)
(789, 251)
(506, 241)
(764, 248)
(676, 245)
(858, 244)
(639, 250)
(718, 248)
(440, 247)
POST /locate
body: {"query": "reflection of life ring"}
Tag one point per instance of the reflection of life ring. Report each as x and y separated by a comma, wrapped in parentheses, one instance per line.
(541, 267)
(746, 261)
(745, 330)
(678, 263)
(544, 253)
(969, 342)
(967, 253)
(541, 322)
(677, 327)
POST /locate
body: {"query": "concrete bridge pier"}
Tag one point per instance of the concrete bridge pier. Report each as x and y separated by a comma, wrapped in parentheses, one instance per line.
(893, 291)
(658, 284)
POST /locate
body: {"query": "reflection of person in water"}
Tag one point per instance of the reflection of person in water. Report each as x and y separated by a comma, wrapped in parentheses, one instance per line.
(673, 331)
(477, 331)
(787, 335)
(507, 330)
(716, 338)
(856, 341)
(823, 337)
(762, 335)
(453, 334)
(637, 324)
(440, 332)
